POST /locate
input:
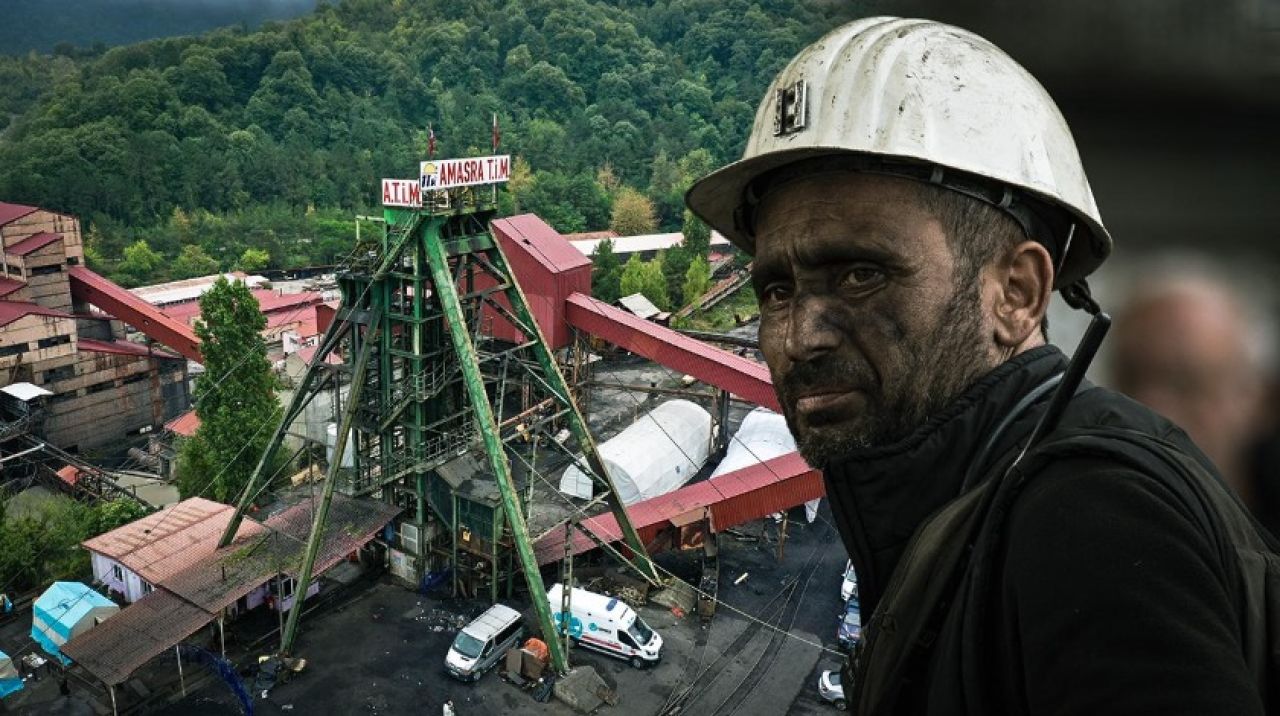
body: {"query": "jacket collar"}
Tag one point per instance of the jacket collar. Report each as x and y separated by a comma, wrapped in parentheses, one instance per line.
(881, 495)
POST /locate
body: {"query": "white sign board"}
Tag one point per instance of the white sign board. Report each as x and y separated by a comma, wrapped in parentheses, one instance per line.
(454, 173)
(401, 192)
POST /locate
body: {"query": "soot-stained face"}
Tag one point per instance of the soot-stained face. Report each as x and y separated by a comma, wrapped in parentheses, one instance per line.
(863, 322)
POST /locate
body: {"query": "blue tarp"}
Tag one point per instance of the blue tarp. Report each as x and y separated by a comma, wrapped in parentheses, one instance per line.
(65, 610)
(9, 679)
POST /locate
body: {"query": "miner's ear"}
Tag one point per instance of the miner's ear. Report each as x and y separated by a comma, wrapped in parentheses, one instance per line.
(1023, 284)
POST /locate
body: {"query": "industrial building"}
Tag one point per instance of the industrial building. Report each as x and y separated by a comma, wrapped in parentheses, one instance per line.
(103, 388)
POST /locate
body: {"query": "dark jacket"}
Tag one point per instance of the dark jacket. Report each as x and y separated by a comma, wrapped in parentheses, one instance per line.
(1107, 597)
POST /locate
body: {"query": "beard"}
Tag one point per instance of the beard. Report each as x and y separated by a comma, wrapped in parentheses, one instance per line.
(935, 368)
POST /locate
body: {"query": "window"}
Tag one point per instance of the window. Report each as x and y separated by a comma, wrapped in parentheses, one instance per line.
(53, 341)
(73, 260)
(286, 587)
(626, 639)
(46, 270)
(13, 350)
(62, 373)
(136, 377)
(99, 387)
(117, 573)
(147, 588)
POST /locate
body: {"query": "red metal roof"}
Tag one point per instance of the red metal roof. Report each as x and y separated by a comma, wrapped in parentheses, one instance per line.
(741, 376)
(12, 212)
(542, 242)
(32, 243)
(171, 540)
(11, 311)
(185, 424)
(9, 285)
(91, 288)
(269, 302)
(733, 498)
(124, 348)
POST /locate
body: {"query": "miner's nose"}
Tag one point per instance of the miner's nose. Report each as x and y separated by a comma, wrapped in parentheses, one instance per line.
(811, 330)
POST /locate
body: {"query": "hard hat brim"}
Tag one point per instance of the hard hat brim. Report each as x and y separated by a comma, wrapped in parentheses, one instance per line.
(717, 197)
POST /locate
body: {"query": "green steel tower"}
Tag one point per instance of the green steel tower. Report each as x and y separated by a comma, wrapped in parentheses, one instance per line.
(424, 418)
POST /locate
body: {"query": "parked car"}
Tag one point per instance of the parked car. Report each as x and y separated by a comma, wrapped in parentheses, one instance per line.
(483, 642)
(850, 629)
(849, 586)
(830, 690)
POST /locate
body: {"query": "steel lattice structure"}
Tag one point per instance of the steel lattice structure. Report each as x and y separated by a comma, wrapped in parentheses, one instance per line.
(425, 408)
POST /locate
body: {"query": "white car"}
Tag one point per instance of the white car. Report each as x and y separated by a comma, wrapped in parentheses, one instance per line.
(849, 587)
(830, 690)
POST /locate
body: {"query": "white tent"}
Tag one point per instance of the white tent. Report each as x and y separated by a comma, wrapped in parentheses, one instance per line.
(763, 435)
(658, 453)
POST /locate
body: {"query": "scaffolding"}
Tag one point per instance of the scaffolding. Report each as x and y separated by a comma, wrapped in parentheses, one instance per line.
(435, 408)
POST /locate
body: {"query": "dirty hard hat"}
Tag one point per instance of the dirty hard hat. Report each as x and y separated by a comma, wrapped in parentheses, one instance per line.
(922, 100)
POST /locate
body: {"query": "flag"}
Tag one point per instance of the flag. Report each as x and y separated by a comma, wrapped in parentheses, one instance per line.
(431, 141)
(496, 134)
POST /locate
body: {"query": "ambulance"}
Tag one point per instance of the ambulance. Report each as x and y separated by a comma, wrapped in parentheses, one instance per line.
(607, 625)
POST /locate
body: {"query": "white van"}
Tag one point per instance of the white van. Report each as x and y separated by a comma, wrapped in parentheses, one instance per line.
(608, 625)
(483, 642)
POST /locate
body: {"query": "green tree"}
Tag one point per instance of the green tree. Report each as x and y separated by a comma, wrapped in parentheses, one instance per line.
(606, 272)
(140, 264)
(632, 213)
(645, 277)
(696, 280)
(253, 260)
(235, 397)
(697, 235)
(192, 261)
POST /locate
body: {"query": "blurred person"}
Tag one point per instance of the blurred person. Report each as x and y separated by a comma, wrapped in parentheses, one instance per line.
(1025, 542)
(1187, 346)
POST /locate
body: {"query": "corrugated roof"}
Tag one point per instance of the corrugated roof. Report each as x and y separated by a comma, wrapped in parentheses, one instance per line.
(185, 424)
(167, 542)
(643, 243)
(136, 634)
(9, 285)
(13, 212)
(545, 244)
(189, 289)
(639, 305)
(33, 243)
(11, 311)
(124, 348)
(269, 302)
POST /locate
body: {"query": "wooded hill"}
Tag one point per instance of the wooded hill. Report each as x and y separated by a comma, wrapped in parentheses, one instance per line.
(270, 140)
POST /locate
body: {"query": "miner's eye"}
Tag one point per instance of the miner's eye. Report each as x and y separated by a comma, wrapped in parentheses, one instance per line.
(861, 276)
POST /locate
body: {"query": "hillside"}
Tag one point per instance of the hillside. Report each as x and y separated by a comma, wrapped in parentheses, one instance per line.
(42, 26)
(271, 139)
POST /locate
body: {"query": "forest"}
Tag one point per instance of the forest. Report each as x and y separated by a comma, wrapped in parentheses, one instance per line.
(255, 149)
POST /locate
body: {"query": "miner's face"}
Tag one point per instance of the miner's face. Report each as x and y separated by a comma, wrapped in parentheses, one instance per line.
(862, 323)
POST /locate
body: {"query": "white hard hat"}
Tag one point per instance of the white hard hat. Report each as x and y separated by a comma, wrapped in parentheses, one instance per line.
(928, 101)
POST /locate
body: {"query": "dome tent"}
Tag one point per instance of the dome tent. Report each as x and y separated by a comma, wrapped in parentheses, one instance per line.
(762, 436)
(656, 454)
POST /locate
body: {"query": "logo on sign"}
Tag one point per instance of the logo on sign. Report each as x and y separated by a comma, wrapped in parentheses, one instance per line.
(430, 176)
